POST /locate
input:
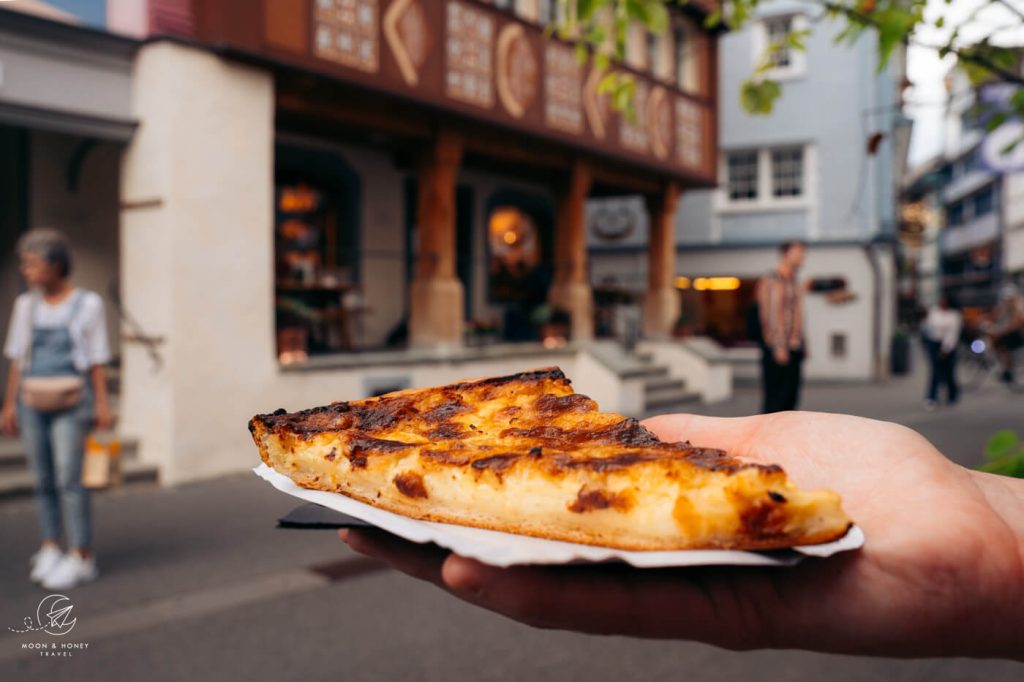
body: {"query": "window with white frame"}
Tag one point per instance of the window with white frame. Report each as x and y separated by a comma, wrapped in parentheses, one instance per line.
(742, 175)
(766, 178)
(774, 33)
(777, 30)
(788, 172)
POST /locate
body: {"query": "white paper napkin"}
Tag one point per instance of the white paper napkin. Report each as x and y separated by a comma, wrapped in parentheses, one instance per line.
(507, 549)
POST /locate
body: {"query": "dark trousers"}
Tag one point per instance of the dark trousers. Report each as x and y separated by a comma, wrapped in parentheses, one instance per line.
(781, 383)
(943, 373)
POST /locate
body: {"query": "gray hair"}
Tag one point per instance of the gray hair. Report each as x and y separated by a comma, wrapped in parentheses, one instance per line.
(50, 245)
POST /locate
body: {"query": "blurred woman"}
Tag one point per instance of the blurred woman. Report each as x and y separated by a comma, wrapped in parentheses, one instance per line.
(941, 336)
(56, 390)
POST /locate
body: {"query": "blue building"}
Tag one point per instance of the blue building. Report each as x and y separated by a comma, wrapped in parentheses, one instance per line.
(822, 168)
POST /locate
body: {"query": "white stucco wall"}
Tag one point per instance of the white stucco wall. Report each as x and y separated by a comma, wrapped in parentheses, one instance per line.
(853, 319)
(197, 258)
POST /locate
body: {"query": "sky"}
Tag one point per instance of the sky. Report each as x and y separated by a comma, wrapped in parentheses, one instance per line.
(925, 101)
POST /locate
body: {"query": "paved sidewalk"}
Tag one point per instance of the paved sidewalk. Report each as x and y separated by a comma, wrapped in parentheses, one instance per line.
(198, 584)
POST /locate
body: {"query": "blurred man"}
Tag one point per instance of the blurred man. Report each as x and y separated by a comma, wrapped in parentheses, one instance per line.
(781, 309)
(1007, 328)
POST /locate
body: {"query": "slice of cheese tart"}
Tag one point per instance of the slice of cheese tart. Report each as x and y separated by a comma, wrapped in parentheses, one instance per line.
(525, 454)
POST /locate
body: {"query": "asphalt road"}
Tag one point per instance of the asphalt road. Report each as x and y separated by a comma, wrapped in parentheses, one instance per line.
(198, 584)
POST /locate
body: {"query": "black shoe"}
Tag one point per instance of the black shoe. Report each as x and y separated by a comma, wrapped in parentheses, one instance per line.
(1006, 377)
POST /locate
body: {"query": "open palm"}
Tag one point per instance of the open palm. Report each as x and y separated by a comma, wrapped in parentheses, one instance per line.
(942, 571)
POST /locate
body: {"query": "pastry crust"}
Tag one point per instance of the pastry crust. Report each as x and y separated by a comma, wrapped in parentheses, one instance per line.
(525, 454)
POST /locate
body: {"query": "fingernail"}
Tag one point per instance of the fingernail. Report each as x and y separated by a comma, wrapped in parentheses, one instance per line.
(343, 534)
(459, 574)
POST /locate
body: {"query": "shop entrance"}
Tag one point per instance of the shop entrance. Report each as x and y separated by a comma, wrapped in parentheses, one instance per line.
(716, 307)
(520, 262)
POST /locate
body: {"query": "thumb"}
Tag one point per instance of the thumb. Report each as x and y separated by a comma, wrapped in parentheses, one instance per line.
(732, 434)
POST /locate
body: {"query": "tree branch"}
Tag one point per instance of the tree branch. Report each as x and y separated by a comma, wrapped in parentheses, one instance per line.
(960, 53)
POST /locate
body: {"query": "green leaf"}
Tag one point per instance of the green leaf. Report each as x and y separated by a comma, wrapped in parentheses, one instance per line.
(940, 22)
(1001, 443)
(1004, 466)
(714, 19)
(1009, 147)
(758, 97)
(997, 119)
(608, 83)
(581, 53)
(585, 9)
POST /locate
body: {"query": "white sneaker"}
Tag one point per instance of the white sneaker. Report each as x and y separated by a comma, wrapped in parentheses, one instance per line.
(72, 570)
(44, 561)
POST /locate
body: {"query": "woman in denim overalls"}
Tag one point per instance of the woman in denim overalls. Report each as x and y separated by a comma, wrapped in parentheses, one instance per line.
(57, 330)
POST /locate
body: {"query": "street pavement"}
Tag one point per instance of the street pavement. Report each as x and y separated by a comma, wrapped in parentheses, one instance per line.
(198, 584)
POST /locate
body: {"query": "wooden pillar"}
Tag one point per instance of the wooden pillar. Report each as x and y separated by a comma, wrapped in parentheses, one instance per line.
(436, 295)
(571, 290)
(661, 303)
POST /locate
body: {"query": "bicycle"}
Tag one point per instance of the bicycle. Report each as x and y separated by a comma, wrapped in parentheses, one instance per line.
(977, 361)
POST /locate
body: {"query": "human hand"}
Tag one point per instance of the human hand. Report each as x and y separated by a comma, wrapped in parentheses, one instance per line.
(103, 418)
(781, 356)
(9, 420)
(941, 574)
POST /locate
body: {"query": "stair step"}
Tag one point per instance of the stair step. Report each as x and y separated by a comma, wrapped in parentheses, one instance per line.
(643, 357)
(670, 399)
(21, 482)
(643, 371)
(12, 453)
(657, 384)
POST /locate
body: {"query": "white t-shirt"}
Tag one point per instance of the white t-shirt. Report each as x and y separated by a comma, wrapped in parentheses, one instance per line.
(88, 328)
(943, 326)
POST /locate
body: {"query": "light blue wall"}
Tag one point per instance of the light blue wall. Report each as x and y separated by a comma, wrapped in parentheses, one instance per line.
(835, 105)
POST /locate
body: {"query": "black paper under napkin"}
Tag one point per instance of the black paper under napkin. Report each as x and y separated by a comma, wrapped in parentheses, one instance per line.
(316, 516)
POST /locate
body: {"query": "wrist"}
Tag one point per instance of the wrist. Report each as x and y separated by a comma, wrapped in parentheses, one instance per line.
(1005, 495)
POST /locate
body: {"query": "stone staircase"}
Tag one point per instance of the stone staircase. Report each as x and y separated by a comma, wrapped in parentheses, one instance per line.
(17, 480)
(662, 393)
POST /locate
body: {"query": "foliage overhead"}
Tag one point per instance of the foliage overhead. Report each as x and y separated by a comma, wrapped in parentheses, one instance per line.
(976, 39)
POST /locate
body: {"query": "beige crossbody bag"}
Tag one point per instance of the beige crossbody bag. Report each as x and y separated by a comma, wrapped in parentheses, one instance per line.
(50, 394)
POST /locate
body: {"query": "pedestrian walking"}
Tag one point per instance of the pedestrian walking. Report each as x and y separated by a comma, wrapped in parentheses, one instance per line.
(941, 335)
(781, 316)
(56, 389)
(1007, 329)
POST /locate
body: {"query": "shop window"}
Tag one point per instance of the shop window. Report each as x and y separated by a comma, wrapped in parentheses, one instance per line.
(317, 299)
(716, 307)
(515, 256)
(742, 175)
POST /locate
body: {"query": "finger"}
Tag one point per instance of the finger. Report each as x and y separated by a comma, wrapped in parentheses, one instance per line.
(732, 434)
(670, 603)
(422, 561)
(733, 607)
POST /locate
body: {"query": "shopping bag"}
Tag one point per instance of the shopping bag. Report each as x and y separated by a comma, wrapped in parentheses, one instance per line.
(101, 467)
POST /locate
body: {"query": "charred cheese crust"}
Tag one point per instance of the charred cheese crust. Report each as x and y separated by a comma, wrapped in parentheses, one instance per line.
(525, 454)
